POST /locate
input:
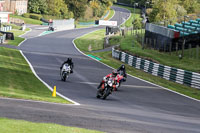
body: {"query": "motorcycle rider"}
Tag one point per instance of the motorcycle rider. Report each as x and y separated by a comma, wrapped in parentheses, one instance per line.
(70, 63)
(113, 75)
(123, 69)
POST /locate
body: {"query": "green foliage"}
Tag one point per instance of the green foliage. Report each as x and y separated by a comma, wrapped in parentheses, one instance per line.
(163, 10)
(78, 7)
(114, 40)
(26, 15)
(137, 23)
(95, 5)
(171, 9)
(190, 5)
(108, 3)
(140, 2)
(166, 9)
(14, 26)
(68, 8)
(180, 10)
(50, 7)
(38, 6)
(35, 16)
(27, 20)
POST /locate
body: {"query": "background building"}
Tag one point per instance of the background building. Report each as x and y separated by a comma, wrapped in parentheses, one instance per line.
(16, 6)
(4, 17)
(1, 5)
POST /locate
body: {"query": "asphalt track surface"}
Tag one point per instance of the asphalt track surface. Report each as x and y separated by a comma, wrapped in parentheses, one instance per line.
(137, 107)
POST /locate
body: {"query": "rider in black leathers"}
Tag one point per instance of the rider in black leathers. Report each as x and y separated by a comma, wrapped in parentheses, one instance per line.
(122, 68)
(70, 63)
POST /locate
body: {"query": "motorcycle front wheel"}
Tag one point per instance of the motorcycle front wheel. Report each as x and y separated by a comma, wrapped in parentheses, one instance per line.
(99, 93)
(63, 77)
(107, 92)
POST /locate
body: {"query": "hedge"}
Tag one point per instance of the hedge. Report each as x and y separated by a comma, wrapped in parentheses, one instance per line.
(35, 16)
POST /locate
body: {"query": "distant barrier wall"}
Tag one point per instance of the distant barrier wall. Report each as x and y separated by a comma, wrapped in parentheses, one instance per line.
(63, 24)
(164, 31)
(180, 76)
(164, 37)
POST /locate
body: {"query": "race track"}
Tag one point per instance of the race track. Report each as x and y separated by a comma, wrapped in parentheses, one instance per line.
(137, 107)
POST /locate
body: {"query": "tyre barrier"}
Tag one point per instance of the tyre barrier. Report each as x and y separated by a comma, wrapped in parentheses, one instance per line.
(2, 38)
(6, 28)
(180, 76)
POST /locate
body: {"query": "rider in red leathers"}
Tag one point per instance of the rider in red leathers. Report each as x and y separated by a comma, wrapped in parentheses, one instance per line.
(113, 75)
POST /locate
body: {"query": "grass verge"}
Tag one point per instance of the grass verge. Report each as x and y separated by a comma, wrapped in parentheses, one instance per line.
(111, 14)
(187, 63)
(20, 126)
(27, 20)
(107, 59)
(18, 81)
(91, 42)
(18, 39)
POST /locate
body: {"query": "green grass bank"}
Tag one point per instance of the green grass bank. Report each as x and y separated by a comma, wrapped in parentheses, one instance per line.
(165, 58)
(18, 81)
(20, 126)
(27, 20)
(18, 39)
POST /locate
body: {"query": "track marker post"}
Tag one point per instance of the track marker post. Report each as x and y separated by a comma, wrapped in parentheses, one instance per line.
(54, 92)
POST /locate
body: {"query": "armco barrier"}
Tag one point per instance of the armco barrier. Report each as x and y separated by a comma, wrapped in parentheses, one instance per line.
(180, 76)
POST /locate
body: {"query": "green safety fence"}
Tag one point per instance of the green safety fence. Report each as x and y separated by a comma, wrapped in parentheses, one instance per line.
(180, 76)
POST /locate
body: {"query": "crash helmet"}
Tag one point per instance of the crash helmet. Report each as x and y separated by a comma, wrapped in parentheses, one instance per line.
(114, 73)
(123, 66)
(69, 59)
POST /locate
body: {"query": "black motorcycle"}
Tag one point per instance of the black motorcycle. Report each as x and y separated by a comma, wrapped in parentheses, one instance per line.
(106, 89)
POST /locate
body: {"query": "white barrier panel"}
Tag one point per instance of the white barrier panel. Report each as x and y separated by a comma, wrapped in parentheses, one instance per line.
(107, 23)
(63, 24)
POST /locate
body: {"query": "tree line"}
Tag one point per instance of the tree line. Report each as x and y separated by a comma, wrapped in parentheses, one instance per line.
(159, 10)
(69, 8)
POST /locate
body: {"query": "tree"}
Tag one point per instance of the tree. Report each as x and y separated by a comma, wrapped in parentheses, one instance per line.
(190, 5)
(163, 10)
(95, 5)
(58, 8)
(180, 10)
(38, 6)
(78, 7)
(108, 3)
